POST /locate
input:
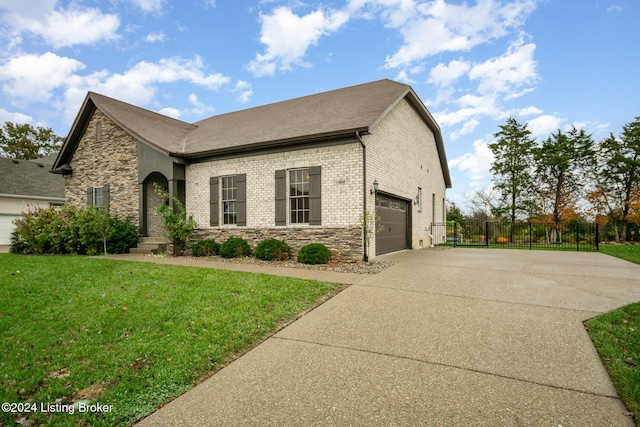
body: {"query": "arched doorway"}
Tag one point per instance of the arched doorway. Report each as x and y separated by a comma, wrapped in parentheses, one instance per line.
(153, 225)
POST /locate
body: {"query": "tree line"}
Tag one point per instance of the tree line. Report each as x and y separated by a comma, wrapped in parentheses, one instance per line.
(568, 176)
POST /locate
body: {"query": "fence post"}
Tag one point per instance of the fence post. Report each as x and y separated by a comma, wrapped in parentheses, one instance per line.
(597, 237)
(486, 233)
(455, 234)
(577, 236)
(530, 236)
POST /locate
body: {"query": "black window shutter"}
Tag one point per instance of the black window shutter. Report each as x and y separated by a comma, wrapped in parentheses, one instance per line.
(281, 197)
(89, 196)
(241, 199)
(105, 195)
(214, 217)
(315, 196)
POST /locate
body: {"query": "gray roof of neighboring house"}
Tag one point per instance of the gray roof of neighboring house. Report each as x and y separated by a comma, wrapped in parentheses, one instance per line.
(335, 114)
(30, 178)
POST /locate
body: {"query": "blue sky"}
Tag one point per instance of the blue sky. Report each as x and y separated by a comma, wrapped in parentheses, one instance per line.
(550, 63)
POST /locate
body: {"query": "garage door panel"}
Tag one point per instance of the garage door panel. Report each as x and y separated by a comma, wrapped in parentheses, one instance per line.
(6, 227)
(392, 214)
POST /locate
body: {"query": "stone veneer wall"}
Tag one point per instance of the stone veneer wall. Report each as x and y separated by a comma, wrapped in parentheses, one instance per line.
(113, 161)
(344, 243)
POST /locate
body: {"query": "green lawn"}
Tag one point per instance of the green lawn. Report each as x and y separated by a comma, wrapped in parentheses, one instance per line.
(626, 252)
(616, 336)
(129, 335)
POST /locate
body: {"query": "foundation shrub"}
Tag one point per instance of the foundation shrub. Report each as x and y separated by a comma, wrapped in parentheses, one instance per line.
(314, 253)
(207, 247)
(235, 247)
(273, 250)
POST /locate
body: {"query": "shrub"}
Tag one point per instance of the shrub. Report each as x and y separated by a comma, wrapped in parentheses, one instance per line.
(314, 253)
(69, 230)
(178, 227)
(235, 247)
(273, 250)
(207, 247)
(123, 236)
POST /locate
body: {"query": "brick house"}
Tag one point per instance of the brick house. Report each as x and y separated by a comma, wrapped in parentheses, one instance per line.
(302, 170)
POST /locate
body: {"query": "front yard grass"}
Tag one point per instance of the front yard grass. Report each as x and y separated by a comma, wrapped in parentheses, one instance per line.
(127, 334)
(626, 252)
(616, 336)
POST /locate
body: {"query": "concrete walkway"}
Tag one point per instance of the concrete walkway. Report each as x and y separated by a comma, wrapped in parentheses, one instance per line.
(443, 338)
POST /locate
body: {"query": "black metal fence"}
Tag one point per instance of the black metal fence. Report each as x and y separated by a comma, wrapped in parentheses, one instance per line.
(573, 236)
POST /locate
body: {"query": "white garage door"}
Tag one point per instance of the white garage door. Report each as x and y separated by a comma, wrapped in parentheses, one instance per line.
(6, 227)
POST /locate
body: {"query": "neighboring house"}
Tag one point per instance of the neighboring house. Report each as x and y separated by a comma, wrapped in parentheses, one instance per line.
(301, 170)
(24, 185)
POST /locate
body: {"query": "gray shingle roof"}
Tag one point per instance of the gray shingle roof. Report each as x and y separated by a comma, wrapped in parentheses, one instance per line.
(337, 113)
(29, 178)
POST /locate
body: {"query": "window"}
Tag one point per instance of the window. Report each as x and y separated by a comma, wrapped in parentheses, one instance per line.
(299, 196)
(99, 131)
(229, 198)
(433, 208)
(97, 196)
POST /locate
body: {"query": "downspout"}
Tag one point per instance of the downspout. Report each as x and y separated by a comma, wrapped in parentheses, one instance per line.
(365, 253)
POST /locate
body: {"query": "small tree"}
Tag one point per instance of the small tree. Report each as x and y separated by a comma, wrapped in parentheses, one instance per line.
(368, 221)
(23, 141)
(178, 228)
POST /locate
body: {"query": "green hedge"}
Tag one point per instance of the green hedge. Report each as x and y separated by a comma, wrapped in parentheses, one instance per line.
(273, 250)
(314, 253)
(71, 230)
(207, 247)
(235, 247)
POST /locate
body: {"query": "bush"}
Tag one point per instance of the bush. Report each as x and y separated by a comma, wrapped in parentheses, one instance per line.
(314, 253)
(207, 247)
(123, 236)
(273, 250)
(69, 230)
(235, 247)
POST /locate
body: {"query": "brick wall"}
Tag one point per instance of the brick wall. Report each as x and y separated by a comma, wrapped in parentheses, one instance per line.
(402, 156)
(113, 161)
(341, 196)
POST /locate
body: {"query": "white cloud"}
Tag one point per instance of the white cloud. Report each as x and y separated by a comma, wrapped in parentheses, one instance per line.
(8, 116)
(395, 13)
(543, 125)
(529, 111)
(244, 91)
(468, 127)
(138, 85)
(199, 109)
(155, 37)
(615, 8)
(507, 73)
(60, 27)
(171, 112)
(287, 37)
(439, 27)
(149, 6)
(477, 164)
(32, 78)
(445, 75)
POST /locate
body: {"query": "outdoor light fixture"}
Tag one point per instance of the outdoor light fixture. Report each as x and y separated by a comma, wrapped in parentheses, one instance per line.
(417, 200)
(374, 190)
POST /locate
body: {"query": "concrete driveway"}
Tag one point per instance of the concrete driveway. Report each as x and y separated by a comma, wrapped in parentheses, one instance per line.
(443, 338)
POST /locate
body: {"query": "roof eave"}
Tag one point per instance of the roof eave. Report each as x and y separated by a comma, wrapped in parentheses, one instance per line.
(280, 143)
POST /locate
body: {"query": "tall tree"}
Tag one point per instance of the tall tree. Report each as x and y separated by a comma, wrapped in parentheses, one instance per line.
(512, 174)
(23, 141)
(620, 173)
(561, 162)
